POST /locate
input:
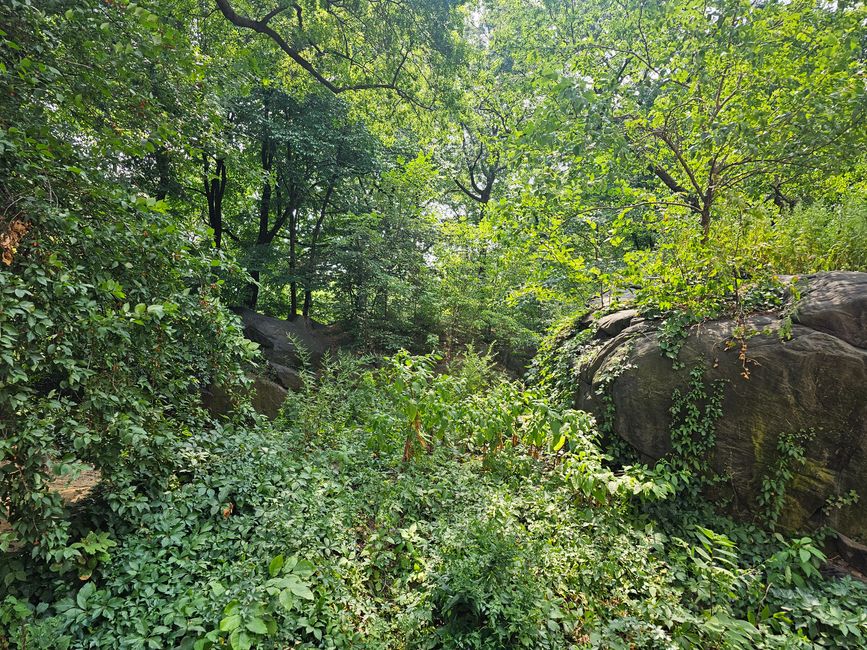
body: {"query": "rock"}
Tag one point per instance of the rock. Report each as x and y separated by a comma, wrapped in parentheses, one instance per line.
(852, 552)
(278, 337)
(613, 324)
(287, 377)
(277, 340)
(816, 380)
(217, 401)
(266, 397)
(836, 303)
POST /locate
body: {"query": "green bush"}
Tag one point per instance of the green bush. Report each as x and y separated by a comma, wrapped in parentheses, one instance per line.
(319, 532)
(820, 238)
(110, 317)
(112, 327)
(747, 248)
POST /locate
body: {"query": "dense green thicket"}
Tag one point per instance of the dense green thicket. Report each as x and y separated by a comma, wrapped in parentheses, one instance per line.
(426, 174)
(399, 508)
(110, 321)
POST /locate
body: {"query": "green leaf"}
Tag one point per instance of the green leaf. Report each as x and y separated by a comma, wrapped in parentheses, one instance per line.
(286, 600)
(243, 642)
(84, 594)
(276, 565)
(304, 569)
(230, 623)
(301, 590)
(257, 626)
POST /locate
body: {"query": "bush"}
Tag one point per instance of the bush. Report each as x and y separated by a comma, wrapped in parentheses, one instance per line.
(112, 327)
(820, 238)
(110, 318)
(746, 248)
(319, 532)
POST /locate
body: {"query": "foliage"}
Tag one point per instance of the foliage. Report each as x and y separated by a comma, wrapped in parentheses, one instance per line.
(110, 321)
(820, 238)
(553, 366)
(486, 169)
(790, 450)
(694, 415)
(745, 252)
(287, 535)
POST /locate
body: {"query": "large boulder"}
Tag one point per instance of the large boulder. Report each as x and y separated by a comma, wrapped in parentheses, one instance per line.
(803, 369)
(268, 396)
(285, 344)
(279, 340)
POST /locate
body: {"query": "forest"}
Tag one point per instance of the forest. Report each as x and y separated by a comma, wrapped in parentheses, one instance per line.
(435, 324)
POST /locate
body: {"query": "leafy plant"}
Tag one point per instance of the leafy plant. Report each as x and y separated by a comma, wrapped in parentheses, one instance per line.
(790, 456)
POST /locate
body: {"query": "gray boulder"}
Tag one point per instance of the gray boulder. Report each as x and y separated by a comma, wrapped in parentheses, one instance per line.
(277, 339)
(265, 396)
(806, 374)
(268, 396)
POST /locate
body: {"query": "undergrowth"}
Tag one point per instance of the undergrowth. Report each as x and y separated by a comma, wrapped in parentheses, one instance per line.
(401, 507)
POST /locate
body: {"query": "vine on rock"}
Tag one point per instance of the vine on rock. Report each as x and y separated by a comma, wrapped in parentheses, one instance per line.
(790, 450)
(694, 415)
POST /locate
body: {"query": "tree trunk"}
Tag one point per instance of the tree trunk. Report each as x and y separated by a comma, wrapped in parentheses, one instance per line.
(293, 265)
(311, 258)
(163, 173)
(253, 289)
(215, 187)
(308, 301)
(264, 237)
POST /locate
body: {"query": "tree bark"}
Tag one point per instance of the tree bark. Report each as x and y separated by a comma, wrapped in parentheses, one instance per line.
(161, 156)
(263, 237)
(215, 188)
(311, 258)
(253, 289)
(293, 265)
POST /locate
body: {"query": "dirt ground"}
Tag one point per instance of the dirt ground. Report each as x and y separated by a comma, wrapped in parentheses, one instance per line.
(70, 490)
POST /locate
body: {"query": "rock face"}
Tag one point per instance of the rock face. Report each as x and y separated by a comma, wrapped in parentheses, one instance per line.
(277, 341)
(266, 397)
(815, 380)
(277, 338)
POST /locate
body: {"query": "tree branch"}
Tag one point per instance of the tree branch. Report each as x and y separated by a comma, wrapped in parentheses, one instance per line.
(475, 197)
(261, 27)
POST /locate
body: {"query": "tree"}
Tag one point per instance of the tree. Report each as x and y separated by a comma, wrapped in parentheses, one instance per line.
(378, 283)
(308, 152)
(755, 99)
(109, 310)
(366, 45)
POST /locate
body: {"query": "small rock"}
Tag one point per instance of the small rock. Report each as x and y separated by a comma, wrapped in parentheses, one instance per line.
(613, 324)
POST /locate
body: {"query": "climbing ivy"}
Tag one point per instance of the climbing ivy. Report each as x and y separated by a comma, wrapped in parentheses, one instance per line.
(694, 415)
(790, 456)
(556, 362)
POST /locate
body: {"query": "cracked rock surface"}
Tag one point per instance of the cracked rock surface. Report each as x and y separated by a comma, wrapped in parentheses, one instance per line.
(816, 380)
